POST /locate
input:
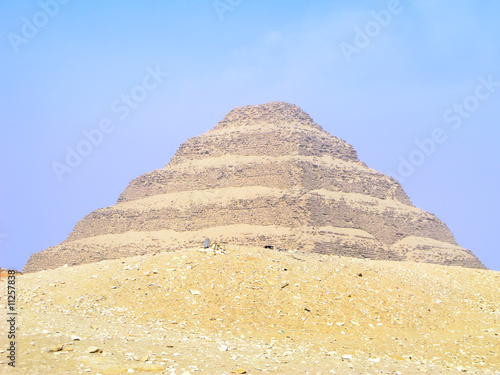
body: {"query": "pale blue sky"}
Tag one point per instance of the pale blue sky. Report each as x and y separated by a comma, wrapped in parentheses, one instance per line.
(416, 67)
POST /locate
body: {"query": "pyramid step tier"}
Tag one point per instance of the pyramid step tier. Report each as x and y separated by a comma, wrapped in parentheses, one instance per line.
(390, 220)
(325, 240)
(285, 172)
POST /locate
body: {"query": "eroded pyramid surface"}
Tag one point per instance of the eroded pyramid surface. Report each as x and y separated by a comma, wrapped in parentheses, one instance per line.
(266, 175)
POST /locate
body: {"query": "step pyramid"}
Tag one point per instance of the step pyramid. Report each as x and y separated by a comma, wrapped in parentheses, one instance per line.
(266, 175)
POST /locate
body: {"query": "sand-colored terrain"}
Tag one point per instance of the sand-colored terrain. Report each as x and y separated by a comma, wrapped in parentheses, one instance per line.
(256, 311)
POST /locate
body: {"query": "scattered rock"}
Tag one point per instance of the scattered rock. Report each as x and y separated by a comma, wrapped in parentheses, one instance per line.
(245, 311)
(239, 370)
(94, 349)
(56, 348)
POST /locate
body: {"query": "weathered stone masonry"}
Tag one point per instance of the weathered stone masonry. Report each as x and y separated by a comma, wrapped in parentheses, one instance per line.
(265, 175)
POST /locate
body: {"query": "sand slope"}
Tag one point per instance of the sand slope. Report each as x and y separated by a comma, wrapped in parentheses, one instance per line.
(277, 312)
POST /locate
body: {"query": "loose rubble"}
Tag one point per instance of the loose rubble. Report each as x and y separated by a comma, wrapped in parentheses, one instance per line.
(257, 311)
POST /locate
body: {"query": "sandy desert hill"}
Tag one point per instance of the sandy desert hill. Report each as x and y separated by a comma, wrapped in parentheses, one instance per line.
(253, 310)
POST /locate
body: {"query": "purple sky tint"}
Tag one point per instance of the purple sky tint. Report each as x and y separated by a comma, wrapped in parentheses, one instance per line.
(383, 75)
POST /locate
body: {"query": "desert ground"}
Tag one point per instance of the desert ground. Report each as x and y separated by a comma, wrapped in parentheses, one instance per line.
(255, 311)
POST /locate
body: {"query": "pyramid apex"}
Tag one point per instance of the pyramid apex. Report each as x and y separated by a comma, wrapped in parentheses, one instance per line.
(271, 113)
